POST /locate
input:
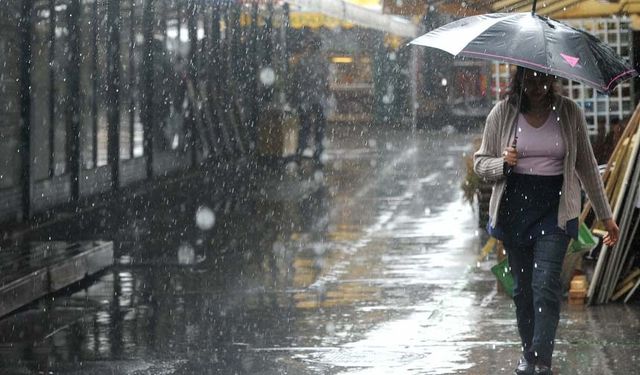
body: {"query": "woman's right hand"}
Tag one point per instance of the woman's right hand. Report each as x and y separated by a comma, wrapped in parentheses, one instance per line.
(510, 156)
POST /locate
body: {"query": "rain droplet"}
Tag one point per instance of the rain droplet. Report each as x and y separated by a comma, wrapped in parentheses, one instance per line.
(205, 218)
(267, 76)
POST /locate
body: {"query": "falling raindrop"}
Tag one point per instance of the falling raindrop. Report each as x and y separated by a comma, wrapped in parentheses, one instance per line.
(205, 218)
(267, 76)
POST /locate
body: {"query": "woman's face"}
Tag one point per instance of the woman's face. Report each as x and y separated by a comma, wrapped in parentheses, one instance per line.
(537, 85)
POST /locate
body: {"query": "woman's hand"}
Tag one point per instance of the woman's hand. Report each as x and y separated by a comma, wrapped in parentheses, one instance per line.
(613, 232)
(510, 156)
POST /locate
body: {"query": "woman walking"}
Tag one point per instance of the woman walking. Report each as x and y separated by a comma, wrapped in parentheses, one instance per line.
(535, 203)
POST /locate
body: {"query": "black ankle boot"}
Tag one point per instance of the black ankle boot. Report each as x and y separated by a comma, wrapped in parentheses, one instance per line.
(543, 370)
(524, 367)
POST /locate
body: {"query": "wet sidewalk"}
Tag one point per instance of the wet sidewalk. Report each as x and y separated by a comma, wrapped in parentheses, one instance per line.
(366, 267)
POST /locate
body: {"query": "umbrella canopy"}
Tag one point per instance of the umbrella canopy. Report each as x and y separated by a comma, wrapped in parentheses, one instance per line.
(535, 42)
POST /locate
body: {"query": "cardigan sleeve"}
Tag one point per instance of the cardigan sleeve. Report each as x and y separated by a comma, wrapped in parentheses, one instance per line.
(487, 162)
(587, 170)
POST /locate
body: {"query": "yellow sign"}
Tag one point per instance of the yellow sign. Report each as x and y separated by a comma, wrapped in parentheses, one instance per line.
(366, 3)
(315, 20)
(342, 59)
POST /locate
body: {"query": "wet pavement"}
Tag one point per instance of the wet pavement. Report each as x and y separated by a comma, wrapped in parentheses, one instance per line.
(367, 267)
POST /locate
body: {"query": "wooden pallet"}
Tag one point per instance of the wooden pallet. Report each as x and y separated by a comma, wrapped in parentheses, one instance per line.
(33, 270)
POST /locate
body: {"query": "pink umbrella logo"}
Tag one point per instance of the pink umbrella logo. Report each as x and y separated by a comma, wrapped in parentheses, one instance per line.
(573, 61)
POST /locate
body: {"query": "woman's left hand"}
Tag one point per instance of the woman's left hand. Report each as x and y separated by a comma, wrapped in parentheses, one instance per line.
(613, 232)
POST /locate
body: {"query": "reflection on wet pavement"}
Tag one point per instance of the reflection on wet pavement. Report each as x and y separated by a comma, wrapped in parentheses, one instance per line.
(368, 268)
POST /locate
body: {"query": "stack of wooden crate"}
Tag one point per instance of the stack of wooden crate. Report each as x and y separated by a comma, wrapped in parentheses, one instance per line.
(578, 290)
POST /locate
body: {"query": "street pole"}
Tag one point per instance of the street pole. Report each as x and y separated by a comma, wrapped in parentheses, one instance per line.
(414, 88)
(113, 91)
(24, 148)
(73, 107)
(148, 116)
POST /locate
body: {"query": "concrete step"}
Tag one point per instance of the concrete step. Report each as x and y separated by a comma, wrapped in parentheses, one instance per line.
(32, 270)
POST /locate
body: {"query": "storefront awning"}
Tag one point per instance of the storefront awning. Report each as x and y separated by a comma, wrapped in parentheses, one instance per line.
(359, 15)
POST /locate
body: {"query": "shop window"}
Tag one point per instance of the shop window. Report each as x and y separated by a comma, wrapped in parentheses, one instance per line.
(87, 67)
(9, 97)
(42, 149)
(101, 82)
(60, 66)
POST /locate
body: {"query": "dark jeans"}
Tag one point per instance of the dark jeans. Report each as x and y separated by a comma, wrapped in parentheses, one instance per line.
(537, 293)
(311, 117)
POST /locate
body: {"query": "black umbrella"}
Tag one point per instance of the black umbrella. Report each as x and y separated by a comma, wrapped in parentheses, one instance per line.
(533, 41)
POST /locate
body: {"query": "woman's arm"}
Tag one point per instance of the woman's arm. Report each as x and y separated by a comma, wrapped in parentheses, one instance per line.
(587, 170)
(487, 161)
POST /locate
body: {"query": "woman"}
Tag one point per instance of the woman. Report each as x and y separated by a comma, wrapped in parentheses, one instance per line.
(535, 203)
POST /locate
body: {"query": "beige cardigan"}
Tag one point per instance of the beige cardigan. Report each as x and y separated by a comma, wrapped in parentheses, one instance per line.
(579, 161)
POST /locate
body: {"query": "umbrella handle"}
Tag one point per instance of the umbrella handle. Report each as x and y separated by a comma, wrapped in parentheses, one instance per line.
(533, 9)
(508, 169)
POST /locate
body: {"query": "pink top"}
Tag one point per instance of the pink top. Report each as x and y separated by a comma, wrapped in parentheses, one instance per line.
(540, 150)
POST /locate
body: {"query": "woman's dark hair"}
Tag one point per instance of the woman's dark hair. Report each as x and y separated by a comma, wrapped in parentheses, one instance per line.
(515, 88)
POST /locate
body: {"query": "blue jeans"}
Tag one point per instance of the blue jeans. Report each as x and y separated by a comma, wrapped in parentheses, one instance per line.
(537, 293)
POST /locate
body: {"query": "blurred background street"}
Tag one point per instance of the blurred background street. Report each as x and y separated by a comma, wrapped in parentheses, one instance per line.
(277, 187)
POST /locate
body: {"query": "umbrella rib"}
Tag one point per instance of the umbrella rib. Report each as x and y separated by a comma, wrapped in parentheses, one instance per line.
(619, 76)
(544, 41)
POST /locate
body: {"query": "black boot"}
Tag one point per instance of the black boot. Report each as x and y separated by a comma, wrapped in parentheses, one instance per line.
(543, 370)
(524, 367)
